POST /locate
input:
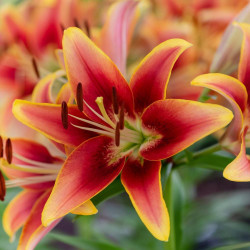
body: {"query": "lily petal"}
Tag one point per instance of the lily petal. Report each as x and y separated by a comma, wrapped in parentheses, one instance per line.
(244, 64)
(227, 55)
(177, 124)
(117, 32)
(18, 211)
(235, 92)
(33, 230)
(87, 208)
(88, 170)
(87, 64)
(143, 184)
(46, 119)
(239, 168)
(150, 80)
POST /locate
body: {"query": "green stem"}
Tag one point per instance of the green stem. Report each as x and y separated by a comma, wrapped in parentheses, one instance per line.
(203, 96)
(214, 148)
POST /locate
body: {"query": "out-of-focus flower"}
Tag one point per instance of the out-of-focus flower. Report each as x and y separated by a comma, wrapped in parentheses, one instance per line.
(119, 126)
(30, 165)
(227, 56)
(236, 92)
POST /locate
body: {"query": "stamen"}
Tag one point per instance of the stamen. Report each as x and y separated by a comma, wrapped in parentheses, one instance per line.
(79, 98)
(117, 134)
(64, 115)
(38, 163)
(35, 67)
(99, 131)
(76, 23)
(8, 150)
(121, 117)
(2, 187)
(29, 180)
(115, 100)
(87, 28)
(31, 169)
(93, 123)
(99, 102)
(1, 147)
(62, 27)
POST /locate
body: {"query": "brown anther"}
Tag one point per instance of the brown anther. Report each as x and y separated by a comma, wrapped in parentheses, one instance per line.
(121, 117)
(8, 150)
(35, 67)
(64, 115)
(117, 134)
(2, 187)
(1, 147)
(87, 28)
(115, 101)
(62, 27)
(76, 23)
(79, 98)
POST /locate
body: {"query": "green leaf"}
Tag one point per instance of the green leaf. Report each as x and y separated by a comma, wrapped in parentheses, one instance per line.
(175, 198)
(235, 246)
(210, 161)
(82, 243)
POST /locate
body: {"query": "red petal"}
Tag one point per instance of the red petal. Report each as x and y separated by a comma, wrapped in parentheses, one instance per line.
(88, 170)
(142, 183)
(177, 124)
(150, 80)
(33, 230)
(46, 118)
(235, 92)
(18, 211)
(87, 64)
(239, 168)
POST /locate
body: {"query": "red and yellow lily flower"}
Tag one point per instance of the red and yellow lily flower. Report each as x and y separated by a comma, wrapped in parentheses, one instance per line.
(236, 92)
(33, 168)
(119, 127)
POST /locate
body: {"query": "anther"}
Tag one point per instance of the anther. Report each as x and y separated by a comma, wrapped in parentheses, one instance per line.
(121, 117)
(79, 98)
(35, 67)
(62, 27)
(64, 115)
(76, 23)
(117, 134)
(115, 100)
(1, 147)
(2, 187)
(8, 150)
(87, 28)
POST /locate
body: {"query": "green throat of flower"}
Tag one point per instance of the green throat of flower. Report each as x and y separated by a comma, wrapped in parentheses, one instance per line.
(128, 135)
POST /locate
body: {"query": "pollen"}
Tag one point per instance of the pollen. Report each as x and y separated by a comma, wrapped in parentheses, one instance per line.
(64, 114)
(115, 101)
(1, 147)
(8, 150)
(2, 187)
(35, 67)
(79, 98)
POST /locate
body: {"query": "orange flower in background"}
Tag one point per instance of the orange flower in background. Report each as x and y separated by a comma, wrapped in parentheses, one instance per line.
(236, 92)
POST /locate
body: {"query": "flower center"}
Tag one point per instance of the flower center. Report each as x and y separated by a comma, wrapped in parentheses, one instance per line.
(121, 129)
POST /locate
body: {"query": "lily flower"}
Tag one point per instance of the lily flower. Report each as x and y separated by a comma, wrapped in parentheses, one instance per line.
(236, 137)
(119, 127)
(30, 165)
